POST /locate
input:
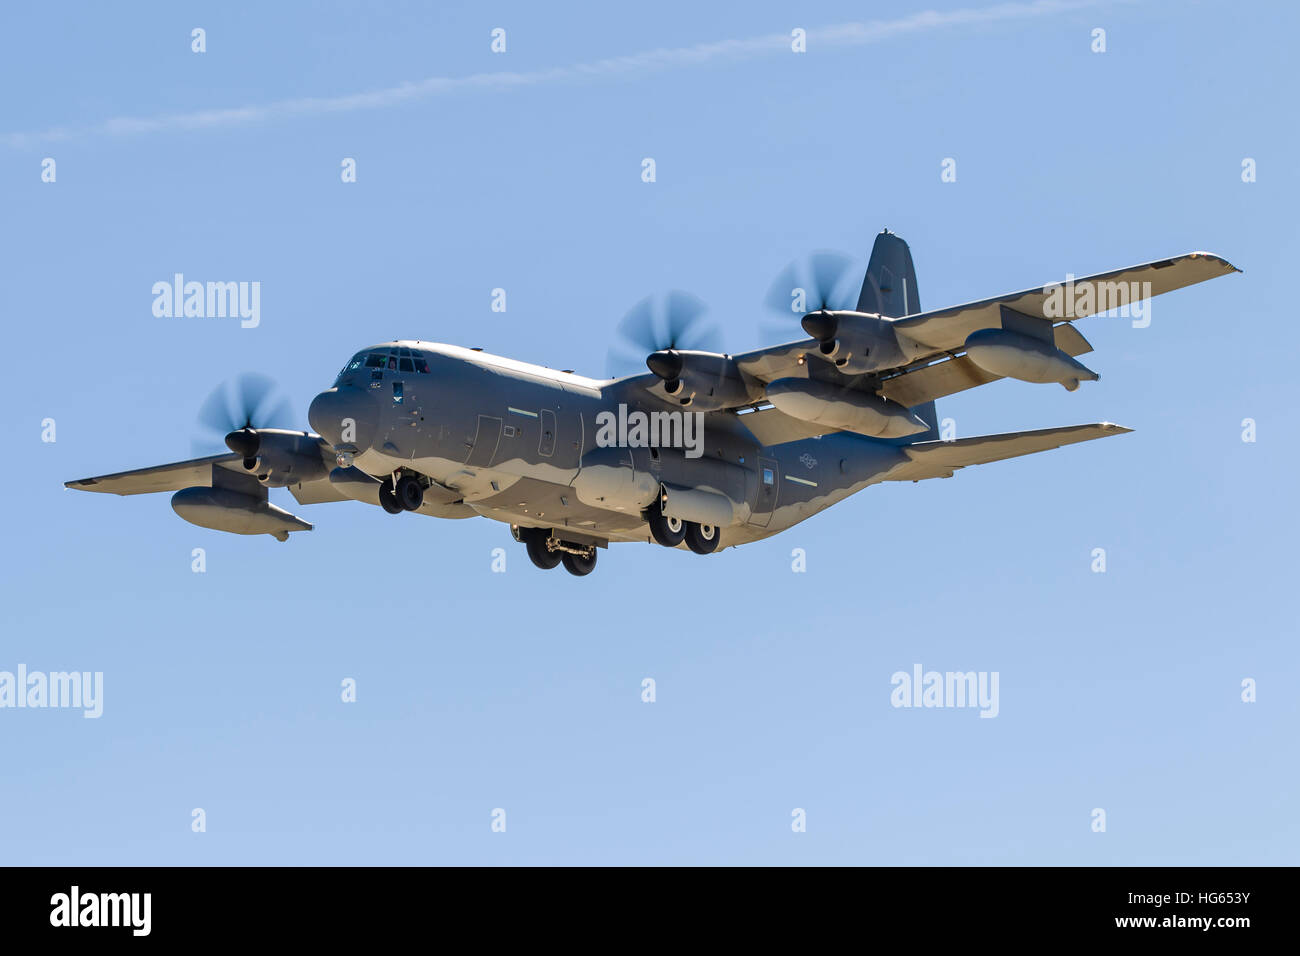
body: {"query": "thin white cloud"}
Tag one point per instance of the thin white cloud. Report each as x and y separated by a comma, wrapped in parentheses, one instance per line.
(841, 35)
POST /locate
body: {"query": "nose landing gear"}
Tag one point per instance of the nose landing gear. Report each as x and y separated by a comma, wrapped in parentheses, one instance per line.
(406, 495)
(409, 493)
(388, 498)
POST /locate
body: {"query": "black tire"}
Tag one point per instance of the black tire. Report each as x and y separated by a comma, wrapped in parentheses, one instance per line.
(535, 543)
(702, 538)
(388, 499)
(409, 493)
(667, 531)
(578, 565)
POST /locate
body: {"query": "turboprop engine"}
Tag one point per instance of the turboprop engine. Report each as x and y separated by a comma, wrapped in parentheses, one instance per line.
(705, 381)
(858, 342)
(1027, 358)
(277, 457)
(846, 409)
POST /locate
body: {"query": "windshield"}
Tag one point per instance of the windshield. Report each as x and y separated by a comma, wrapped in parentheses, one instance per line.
(395, 359)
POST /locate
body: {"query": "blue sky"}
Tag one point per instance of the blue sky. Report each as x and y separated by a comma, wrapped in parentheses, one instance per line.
(521, 690)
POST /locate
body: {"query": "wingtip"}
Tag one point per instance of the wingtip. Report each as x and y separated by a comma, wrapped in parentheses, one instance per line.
(1111, 428)
(1201, 254)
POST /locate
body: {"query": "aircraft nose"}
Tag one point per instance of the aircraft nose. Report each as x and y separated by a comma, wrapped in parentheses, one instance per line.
(345, 417)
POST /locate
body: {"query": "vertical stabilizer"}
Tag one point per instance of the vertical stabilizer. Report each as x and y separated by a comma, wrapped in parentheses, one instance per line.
(889, 289)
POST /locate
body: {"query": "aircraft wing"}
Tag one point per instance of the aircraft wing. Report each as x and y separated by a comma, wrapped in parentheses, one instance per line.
(173, 477)
(227, 470)
(939, 459)
(946, 329)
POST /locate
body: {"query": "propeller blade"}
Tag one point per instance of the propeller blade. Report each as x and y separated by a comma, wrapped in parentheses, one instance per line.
(674, 321)
(248, 401)
(637, 328)
(215, 414)
(821, 277)
(828, 271)
(682, 311)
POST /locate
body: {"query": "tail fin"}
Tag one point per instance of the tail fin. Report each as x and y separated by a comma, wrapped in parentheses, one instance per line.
(889, 289)
(890, 285)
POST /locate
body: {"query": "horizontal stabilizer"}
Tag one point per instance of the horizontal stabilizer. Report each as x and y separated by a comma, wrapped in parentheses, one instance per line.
(939, 459)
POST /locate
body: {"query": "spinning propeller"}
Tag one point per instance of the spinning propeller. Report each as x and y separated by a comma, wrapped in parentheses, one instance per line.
(655, 329)
(237, 408)
(809, 289)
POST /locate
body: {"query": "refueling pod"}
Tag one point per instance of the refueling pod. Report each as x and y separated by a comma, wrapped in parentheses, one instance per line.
(842, 408)
(1027, 358)
(223, 509)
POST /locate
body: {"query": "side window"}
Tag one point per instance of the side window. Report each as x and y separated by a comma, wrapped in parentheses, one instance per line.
(404, 365)
(422, 366)
(376, 360)
(768, 477)
(392, 363)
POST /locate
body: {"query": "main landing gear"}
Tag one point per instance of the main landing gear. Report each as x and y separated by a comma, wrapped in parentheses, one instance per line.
(406, 495)
(670, 532)
(546, 552)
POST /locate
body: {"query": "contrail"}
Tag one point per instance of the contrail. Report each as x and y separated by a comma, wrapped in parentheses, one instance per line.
(841, 35)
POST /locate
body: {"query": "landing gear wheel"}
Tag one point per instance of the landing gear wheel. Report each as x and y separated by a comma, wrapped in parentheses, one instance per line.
(579, 565)
(702, 538)
(535, 542)
(409, 493)
(667, 531)
(388, 499)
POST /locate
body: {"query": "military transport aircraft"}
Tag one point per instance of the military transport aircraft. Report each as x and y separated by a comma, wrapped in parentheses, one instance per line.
(707, 450)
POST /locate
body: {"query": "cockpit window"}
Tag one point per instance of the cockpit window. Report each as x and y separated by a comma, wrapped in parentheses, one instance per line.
(389, 358)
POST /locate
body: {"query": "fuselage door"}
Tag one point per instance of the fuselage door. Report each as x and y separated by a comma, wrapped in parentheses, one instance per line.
(546, 443)
(486, 440)
(769, 480)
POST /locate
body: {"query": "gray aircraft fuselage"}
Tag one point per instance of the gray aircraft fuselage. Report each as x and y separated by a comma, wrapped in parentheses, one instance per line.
(511, 441)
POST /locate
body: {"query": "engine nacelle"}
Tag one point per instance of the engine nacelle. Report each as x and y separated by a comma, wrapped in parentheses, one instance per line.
(705, 381)
(285, 458)
(222, 509)
(841, 408)
(858, 342)
(1014, 355)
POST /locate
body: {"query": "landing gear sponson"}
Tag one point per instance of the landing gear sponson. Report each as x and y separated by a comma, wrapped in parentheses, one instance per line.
(547, 551)
(670, 532)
